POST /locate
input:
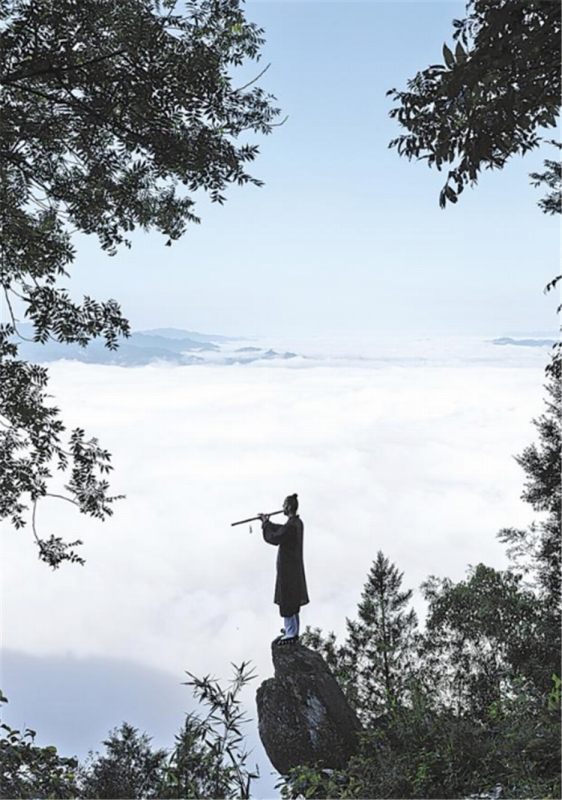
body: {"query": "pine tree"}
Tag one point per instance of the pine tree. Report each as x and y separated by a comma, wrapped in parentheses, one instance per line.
(381, 641)
(543, 489)
(376, 663)
(129, 768)
(536, 550)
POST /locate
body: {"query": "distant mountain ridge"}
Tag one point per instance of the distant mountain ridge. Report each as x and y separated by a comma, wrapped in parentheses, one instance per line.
(177, 333)
(169, 345)
(524, 342)
(178, 347)
(173, 343)
(552, 334)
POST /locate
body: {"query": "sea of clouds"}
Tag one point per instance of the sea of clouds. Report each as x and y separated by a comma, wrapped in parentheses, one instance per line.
(399, 445)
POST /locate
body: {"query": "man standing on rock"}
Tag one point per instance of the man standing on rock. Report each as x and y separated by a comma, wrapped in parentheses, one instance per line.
(290, 585)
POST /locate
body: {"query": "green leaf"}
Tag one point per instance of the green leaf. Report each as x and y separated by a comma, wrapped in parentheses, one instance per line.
(460, 53)
(450, 194)
(448, 56)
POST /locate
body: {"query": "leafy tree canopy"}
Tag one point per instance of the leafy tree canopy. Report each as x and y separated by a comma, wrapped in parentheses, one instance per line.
(129, 767)
(482, 635)
(30, 771)
(481, 717)
(208, 759)
(494, 96)
(536, 552)
(498, 89)
(112, 115)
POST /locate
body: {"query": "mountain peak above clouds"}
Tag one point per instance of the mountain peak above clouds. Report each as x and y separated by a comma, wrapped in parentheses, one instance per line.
(175, 344)
(164, 345)
(508, 340)
(178, 333)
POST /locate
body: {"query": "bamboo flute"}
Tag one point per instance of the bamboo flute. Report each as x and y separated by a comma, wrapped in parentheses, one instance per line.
(251, 519)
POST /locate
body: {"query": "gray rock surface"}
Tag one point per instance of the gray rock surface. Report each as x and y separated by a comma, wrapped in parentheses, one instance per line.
(303, 715)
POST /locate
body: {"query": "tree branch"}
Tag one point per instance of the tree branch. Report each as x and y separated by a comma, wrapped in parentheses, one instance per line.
(62, 496)
(77, 104)
(33, 525)
(12, 315)
(264, 70)
(50, 69)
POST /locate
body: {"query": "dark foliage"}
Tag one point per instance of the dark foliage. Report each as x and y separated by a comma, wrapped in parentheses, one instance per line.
(537, 551)
(111, 116)
(209, 758)
(129, 767)
(492, 98)
(29, 771)
(482, 711)
(434, 754)
(498, 87)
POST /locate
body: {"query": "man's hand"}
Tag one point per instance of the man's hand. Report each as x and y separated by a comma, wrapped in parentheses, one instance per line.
(263, 517)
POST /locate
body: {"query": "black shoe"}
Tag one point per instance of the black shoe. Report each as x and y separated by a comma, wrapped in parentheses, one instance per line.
(285, 640)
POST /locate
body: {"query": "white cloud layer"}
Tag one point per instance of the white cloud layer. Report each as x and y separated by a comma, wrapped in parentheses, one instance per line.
(411, 457)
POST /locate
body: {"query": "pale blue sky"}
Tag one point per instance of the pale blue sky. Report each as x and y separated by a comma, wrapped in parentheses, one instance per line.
(345, 237)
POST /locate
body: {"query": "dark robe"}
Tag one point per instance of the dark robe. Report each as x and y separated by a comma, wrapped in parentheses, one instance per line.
(290, 585)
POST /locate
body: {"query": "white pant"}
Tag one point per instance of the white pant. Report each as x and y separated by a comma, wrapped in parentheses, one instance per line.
(291, 626)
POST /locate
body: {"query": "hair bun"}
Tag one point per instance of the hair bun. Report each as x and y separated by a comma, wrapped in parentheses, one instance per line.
(295, 495)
